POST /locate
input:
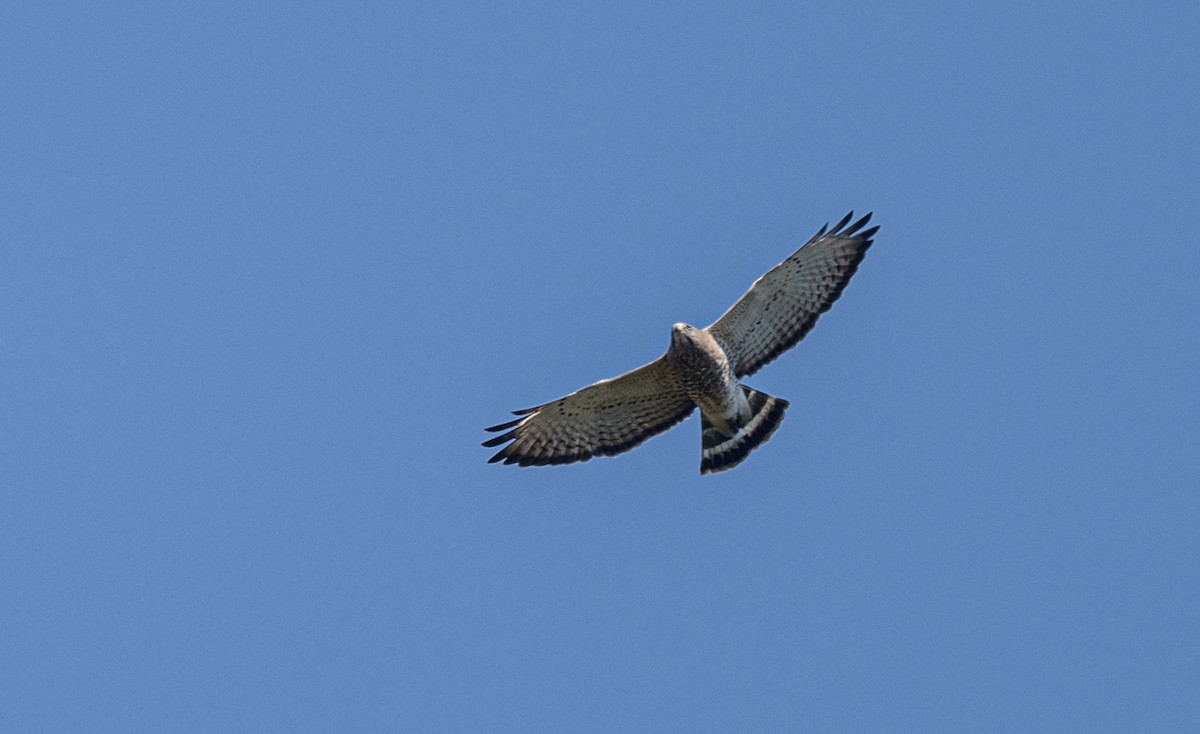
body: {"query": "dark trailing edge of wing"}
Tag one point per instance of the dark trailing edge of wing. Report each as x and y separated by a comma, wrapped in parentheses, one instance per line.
(508, 457)
(852, 232)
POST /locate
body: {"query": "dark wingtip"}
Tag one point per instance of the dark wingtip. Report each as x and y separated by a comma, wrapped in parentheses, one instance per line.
(499, 455)
(857, 225)
(845, 220)
(502, 426)
(500, 439)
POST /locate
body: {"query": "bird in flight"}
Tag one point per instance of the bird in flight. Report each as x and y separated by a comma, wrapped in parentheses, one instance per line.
(702, 368)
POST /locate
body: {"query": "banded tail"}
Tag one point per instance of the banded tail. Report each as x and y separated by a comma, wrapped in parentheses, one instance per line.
(721, 451)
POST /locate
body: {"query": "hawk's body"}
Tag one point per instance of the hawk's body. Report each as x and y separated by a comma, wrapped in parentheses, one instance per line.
(701, 369)
(704, 372)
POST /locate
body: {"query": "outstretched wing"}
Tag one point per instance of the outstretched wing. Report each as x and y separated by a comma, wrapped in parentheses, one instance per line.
(604, 419)
(783, 305)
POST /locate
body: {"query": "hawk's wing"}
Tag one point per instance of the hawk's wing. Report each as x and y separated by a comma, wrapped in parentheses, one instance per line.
(781, 307)
(603, 419)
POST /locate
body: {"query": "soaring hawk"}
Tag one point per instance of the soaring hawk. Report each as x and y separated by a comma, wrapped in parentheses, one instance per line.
(701, 368)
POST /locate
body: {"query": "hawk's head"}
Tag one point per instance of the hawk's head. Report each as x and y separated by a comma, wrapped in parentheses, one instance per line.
(682, 332)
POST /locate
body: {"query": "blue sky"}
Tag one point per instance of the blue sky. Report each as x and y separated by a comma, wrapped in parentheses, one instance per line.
(269, 269)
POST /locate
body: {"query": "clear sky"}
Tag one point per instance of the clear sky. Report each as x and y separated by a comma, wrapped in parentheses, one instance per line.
(269, 269)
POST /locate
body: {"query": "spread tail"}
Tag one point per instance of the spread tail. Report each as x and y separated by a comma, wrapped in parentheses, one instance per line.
(721, 451)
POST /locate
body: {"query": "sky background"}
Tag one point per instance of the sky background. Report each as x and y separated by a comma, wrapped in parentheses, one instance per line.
(269, 269)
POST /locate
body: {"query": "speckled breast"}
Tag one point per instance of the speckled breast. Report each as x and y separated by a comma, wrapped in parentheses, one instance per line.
(703, 370)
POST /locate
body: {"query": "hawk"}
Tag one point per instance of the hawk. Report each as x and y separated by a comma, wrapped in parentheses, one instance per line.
(702, 368)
